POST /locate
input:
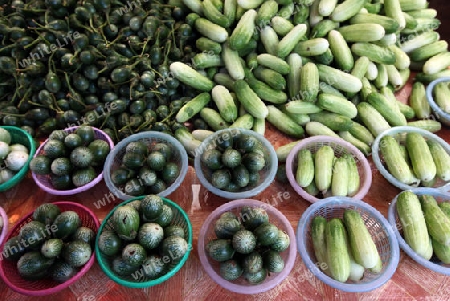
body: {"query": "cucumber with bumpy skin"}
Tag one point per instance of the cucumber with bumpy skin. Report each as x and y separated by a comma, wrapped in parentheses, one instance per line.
(420, 156)
(323, 167)
(305, 169)
(362, 245)
(338, 258)
(413, 223)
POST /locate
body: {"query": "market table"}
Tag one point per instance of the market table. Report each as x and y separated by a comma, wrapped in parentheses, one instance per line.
(410, 282)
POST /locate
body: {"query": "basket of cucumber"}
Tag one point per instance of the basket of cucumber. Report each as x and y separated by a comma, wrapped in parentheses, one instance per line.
(17, 148)
(236, 163)
(144, 241)
(71, 161)
(321, 166)
(421, 222)
(361, 243)
(145, 163)
(49, 249)
(438, 93)
(410, 157)
(247, 246)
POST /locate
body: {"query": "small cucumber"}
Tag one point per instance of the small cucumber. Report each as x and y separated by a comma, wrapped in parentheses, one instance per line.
(413, 223)
(323, 167)
(338, 258)
(420, 156)
(339, 178)
(305, 169)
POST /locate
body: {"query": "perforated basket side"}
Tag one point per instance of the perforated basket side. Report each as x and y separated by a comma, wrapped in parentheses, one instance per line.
(10, 274)
(434, 264)
(180, 218)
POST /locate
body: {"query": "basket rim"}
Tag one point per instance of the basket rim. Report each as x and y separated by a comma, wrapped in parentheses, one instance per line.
(4, 232)
(150, 135)
(102, 261)
(243, 194)
(404, 129)
(63, 285)
(78, 189)
(362, 191)
(24, 170)
(348, 287)
(429, 94)
(247, 289)
(401, 241)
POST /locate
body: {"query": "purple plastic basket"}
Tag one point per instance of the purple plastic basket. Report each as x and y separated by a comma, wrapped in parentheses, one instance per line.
(340, 147)
(8, 268)
(43, 181)
(5, 225)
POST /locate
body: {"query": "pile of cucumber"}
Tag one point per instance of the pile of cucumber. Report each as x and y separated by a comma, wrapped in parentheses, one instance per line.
(425, 225)
(12, 156)
(144, 241)
(312, 67)
(324, 174)
(234, 162)
(71, 160)
(344, 248)
(146, 168)
(53, 245)
(414, 160)
(247, 245)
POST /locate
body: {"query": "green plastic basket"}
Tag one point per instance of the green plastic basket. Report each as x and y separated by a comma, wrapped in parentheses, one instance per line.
(19, 136)
(180, 218)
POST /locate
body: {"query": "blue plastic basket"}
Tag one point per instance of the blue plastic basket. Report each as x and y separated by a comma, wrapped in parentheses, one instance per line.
(397, 132)
(436, 266)
(379, 228)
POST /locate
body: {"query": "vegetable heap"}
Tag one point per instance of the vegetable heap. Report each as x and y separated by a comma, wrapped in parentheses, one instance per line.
(97, 62)
(53, 245)
(249, 245)
(314, 67)
(13, 156)
(145, 239)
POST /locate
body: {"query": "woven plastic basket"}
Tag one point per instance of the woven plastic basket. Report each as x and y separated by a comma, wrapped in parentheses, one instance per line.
(241, 285)
(22, 137)
(114, 160)
(440, 114)
(267, 174)
(378, 227)
(180, 218)
(43, 181)
(8, 269)
(399, 133)
(434, 264)
(4, 231)
(340, 148)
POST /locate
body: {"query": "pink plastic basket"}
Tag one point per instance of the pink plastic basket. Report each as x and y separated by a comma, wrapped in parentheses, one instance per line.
(5, 225)
(340, 148)
(8, 269)
(43, 181)
(241, 286)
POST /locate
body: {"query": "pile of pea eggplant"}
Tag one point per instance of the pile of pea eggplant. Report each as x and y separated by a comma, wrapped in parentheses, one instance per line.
(98, 62)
